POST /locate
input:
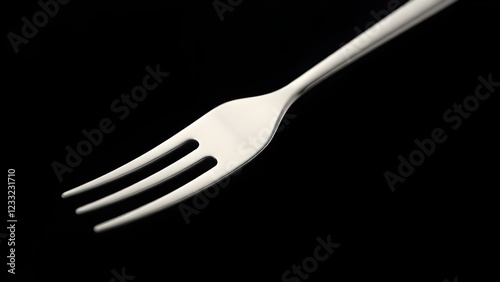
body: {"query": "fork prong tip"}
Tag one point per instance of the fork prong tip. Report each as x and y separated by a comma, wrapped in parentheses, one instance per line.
(98, 228)
(79, 210)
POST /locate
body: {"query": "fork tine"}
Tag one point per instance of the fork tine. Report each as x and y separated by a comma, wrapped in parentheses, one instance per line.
(194, 186)
(133, 165)
(153, 180)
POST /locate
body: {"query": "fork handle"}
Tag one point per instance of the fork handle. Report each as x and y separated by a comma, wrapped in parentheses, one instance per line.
(405, 17)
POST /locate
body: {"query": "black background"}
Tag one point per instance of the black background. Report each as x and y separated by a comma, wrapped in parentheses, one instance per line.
(321, 175)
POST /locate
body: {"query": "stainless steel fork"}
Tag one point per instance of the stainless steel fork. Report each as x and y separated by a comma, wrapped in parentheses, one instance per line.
(237, 131)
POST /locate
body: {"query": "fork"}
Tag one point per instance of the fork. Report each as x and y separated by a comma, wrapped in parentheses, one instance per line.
(237, 131)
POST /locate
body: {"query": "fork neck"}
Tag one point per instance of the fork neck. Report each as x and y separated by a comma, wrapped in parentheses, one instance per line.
(321, 71)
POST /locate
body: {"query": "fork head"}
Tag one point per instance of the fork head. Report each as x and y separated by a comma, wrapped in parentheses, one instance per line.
(232, 133)
(236, 131)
